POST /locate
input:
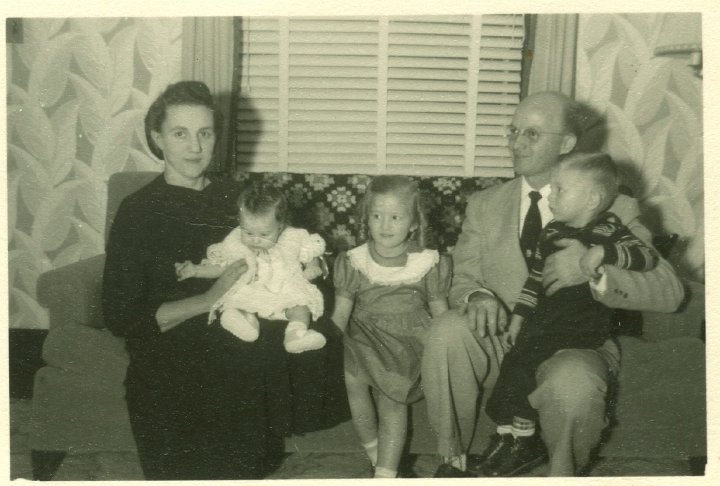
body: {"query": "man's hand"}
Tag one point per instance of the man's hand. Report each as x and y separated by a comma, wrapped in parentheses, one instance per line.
(562, 268)
(485, 314)
(592, 259)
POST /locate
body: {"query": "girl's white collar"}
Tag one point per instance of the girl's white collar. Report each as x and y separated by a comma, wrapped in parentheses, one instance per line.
(417, 266)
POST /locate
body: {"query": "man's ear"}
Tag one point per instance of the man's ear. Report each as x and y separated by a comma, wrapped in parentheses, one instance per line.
(568, 143)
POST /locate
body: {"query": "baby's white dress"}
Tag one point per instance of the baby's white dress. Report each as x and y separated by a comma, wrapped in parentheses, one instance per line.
(278, 283)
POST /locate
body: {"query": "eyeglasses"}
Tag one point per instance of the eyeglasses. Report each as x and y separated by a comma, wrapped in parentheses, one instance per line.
(531, 134)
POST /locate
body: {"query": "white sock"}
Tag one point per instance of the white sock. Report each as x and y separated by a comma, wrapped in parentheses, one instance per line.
(522, 427)
(384, 473)
(459, 462)
(371, 449)
(504, 429)
(523, 432)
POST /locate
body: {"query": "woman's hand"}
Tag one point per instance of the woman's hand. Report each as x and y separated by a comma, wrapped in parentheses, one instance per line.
(231, 275)
(170, 314)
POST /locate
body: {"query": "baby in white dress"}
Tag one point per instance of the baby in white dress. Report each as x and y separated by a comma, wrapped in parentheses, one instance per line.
(281, 260)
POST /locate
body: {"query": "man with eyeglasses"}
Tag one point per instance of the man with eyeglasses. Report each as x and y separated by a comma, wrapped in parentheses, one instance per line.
(463, 351)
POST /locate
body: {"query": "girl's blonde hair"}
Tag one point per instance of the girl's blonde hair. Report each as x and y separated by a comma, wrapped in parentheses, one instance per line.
(400, 186)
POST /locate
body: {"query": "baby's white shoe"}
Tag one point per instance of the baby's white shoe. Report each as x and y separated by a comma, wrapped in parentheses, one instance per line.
(299, 338)
(244, 325)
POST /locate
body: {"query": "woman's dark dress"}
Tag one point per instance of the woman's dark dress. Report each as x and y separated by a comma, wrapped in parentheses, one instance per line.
(202, 403)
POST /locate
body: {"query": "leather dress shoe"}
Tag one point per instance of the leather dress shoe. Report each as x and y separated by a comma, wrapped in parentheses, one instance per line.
(524, 454)
(448, 471)
(494, 453)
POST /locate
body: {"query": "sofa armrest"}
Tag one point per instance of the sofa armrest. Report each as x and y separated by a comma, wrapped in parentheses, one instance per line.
(72, 293)
(93, 353)
(687, 321)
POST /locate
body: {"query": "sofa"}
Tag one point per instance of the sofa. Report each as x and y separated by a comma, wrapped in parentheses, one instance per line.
(78, 397)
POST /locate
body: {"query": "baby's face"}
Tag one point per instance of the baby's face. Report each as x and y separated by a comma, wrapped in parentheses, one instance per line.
(259, 231)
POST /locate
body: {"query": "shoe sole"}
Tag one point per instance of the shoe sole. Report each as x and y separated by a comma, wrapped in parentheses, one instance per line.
(526, 467)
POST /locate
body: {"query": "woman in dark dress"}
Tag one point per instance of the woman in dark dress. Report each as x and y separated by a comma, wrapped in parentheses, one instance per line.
(202, 403)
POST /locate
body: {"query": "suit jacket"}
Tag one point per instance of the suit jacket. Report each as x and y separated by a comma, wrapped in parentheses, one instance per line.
(487, 256)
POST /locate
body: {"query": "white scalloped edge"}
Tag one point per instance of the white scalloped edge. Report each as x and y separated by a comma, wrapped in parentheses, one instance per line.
(417, 266)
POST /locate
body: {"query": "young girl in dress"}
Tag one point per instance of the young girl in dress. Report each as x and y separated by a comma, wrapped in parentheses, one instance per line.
(281, 260)
(387, 289)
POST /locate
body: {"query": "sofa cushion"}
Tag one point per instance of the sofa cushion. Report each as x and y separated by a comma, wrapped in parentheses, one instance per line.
(96, 354)
(661, 400)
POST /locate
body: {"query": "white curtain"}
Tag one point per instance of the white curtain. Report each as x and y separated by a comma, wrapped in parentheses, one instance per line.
(553, 61)
(207, 55)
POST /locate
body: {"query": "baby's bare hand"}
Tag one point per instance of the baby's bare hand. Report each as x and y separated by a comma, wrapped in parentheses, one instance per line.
(185, 270)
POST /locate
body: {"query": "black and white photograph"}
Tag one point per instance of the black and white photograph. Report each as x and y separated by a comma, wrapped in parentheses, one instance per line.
(292, 241)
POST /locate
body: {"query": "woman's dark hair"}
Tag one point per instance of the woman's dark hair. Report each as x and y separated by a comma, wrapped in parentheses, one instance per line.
(400, 186)
(261, 198)
(181, 93)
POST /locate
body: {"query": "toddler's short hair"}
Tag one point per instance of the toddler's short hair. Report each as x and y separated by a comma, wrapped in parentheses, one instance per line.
(601, 169)
(261, 198)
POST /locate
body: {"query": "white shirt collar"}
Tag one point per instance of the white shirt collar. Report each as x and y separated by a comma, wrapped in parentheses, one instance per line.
(543, 204)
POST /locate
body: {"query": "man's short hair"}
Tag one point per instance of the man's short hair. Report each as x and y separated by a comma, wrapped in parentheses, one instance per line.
(602, 170)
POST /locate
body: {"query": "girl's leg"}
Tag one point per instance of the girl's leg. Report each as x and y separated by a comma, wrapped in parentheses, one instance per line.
(363, 413)
(392, 433)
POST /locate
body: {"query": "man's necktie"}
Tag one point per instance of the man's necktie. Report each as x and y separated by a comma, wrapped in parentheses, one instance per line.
(531, 227)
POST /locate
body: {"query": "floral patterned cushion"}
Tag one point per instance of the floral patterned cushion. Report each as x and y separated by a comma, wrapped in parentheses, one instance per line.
(326, 204)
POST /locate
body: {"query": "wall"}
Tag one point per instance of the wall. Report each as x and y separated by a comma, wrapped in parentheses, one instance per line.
(78, 90)
(654, 112)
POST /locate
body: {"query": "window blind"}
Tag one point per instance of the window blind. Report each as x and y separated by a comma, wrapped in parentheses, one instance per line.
(425, 95)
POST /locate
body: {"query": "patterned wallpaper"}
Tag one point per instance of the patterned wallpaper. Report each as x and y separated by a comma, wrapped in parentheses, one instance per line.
(77, 93)
(654, 112)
